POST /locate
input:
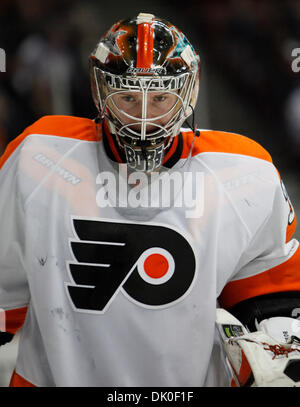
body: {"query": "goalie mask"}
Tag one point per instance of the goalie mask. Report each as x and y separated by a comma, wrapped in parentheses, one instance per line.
(145, 80)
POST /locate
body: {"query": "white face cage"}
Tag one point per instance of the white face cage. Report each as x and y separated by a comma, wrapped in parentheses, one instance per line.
(182, 86)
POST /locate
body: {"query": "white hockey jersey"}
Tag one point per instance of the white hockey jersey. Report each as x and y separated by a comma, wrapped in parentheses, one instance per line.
(118, 287)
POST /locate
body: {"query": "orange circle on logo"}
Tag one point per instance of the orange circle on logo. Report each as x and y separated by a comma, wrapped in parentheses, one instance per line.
(156, 265)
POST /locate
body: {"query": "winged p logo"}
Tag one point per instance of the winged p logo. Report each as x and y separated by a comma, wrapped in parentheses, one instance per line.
(152, 265)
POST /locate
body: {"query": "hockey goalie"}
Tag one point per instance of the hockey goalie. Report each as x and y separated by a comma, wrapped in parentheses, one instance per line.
(108, 277)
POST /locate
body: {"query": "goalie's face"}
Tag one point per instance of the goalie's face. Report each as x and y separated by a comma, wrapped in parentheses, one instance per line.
(143, 119)
(144, 115)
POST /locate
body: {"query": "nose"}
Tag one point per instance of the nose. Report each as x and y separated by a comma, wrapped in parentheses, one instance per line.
(149, 113)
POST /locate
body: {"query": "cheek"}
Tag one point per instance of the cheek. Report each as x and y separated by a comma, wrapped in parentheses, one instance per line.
(168, 110)
(165, 118)
(125, 119)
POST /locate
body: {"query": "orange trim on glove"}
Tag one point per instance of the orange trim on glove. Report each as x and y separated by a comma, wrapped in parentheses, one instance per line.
(244, 373)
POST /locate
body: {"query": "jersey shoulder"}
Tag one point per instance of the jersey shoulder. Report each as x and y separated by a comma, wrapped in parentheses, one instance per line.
(65, 126)
(213, 141)
(72, 127)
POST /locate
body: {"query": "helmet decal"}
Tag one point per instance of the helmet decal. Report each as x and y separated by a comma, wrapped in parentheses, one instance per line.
(110, 41)
(145, 44)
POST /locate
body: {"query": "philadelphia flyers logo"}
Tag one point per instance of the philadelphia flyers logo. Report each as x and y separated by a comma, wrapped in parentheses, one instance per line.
(152, 265)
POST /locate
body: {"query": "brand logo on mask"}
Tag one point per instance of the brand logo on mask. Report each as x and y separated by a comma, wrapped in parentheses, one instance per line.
(158, 71)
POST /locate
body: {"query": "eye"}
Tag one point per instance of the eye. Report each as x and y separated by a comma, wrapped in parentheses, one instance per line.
(160, 98)
(128, 98)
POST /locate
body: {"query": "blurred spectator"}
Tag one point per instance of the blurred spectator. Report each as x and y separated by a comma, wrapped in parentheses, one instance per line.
(292, 115)
(250, 43)
(45, 67)
(3, 124)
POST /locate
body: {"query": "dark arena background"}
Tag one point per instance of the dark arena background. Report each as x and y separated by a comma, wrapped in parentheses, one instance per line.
(250, 84)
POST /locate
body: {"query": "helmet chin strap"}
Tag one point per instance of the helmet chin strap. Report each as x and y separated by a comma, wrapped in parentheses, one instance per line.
(192, 126)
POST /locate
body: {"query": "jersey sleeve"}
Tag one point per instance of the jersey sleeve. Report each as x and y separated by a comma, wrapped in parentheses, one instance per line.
(271, 262)
(14, 293)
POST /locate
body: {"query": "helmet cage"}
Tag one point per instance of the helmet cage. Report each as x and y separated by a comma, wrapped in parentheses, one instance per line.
(108, 85)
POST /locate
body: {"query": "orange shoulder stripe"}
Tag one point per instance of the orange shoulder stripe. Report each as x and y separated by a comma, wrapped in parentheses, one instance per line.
(223, 142)
(11, 147)
(284, 277)
(66, 126)
(61, 126)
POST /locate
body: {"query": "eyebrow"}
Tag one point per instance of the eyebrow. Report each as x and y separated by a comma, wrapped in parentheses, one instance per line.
(150, 93)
